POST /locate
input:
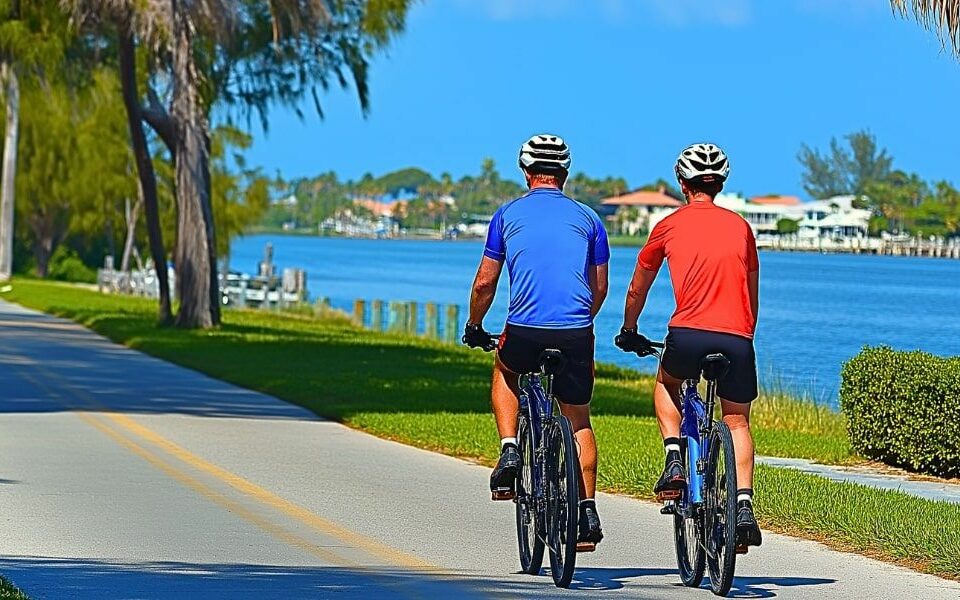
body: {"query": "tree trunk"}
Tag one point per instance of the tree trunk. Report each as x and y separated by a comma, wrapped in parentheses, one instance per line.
(9, 170)
(195, 254)
(42, 251)
(148, 179)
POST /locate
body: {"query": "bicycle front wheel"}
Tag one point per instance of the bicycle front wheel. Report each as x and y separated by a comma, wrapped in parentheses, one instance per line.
(530, 534)
(563, 499)
(720, 523)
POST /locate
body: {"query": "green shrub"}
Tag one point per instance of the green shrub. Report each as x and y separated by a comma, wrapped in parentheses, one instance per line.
(65, 265)
(903, 408)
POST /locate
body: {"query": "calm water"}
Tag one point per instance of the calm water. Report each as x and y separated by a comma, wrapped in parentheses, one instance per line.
(816, 311)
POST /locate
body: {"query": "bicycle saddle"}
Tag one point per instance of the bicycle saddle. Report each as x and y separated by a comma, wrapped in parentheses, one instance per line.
(714, 366)
(551, 361)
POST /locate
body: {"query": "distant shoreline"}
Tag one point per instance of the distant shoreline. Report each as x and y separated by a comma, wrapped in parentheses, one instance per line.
(615, 241)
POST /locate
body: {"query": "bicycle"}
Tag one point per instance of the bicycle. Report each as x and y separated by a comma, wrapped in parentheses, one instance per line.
(705, 511)
(547, 491)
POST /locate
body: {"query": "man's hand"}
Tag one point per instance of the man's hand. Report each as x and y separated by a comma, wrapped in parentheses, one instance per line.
(630, 341)
(475, 337)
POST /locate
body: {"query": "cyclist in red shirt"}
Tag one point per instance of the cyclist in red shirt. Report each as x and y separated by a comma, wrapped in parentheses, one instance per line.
(714, 269)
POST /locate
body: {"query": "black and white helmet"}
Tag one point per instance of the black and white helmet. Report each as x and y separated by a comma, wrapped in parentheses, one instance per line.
(545, 153)
(703, 162)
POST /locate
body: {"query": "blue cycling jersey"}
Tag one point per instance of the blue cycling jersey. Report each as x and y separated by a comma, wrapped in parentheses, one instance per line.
(549, 242)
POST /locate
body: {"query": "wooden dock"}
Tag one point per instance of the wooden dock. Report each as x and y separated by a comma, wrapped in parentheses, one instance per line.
(878, 246)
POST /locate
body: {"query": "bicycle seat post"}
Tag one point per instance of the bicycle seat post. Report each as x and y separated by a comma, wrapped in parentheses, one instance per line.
(713, 367)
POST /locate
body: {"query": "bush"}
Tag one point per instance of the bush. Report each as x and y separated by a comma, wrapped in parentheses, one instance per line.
(787, 226)
(903, 408)
(65, 265)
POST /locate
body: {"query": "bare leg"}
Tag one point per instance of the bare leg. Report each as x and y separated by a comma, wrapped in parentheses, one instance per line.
(666, 403)
(505, 400)
(737, 418)
(579, 416)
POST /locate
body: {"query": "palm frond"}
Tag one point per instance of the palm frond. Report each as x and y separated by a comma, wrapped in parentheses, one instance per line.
(940, 16)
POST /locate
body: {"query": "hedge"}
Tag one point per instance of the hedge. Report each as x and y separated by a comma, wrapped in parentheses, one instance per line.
(903, 409)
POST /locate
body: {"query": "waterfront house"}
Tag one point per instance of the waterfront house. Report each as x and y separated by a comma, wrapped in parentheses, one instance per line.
(763, 212)
(835, 218)
(639, 211)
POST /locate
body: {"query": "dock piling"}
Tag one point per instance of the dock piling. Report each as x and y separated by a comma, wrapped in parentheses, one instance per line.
(359, 311)
(376, 315)
(431, 322)
(451, 331)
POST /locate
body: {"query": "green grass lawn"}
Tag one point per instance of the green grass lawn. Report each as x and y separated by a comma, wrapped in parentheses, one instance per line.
(436, 396)
(628, 240)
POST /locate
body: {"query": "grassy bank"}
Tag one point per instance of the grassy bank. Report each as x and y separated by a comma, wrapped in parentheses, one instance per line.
(436, 397)
(633, 241)
(9, 592)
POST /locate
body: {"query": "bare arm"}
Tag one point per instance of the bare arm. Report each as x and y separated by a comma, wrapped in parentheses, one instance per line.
(753, 286)
(637, 295)
(484, 289)
(598, 286)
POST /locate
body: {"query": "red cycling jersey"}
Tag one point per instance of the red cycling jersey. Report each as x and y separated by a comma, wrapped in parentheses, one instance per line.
(709, 250)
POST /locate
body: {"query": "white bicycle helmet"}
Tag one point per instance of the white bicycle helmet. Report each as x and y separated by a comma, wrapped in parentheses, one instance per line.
(704, 163)
(545, 153)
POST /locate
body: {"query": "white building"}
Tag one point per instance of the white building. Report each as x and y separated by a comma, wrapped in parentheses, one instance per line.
(834, 218)
(763, 212)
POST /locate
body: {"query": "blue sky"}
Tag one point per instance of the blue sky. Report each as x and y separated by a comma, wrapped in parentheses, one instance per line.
(629, 82)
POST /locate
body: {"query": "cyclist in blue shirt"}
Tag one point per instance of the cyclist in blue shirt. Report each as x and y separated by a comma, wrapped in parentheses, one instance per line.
(556, 252)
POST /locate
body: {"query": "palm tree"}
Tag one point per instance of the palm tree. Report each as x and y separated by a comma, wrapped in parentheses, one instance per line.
(942, 16)
(239, 53)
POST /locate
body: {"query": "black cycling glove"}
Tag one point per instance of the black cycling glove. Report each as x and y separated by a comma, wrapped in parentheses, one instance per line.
(475, 337)
(630, 341)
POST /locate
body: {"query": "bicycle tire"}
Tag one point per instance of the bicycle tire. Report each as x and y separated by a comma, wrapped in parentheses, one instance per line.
(563, 499)
(721, 510)
(530, 534)
(688, 538)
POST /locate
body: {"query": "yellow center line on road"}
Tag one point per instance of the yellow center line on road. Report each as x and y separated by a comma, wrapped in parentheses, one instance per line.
(392, 555)
(268, 498)
(216, 497)
(196, 485)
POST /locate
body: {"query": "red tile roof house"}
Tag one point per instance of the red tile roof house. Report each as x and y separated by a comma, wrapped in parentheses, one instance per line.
(630, 214)
(778, 200)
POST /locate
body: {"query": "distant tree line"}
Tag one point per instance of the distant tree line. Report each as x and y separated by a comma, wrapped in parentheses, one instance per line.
(901, 202)
(428, 198)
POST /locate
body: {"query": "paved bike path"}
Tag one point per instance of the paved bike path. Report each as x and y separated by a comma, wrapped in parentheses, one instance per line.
(122, 476)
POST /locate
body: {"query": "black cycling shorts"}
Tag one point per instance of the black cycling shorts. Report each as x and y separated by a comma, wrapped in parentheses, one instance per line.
(519, 351)
(685, 348)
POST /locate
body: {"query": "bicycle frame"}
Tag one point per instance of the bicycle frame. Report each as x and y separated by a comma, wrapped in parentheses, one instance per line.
(695, 426)
(537, 404)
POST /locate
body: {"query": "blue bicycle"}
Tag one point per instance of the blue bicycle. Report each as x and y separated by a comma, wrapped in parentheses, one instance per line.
(705, 511)
(547, 493)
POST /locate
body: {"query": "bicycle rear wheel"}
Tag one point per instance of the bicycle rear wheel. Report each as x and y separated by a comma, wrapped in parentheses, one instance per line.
(720, 523)
(688, 538)
(530, 534)
(563, 499)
